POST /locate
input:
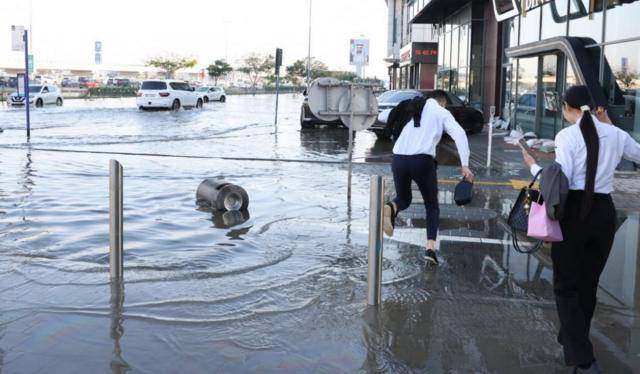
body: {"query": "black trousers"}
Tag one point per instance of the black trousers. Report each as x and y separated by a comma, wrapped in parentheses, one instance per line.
(578, 262)
(422, 170)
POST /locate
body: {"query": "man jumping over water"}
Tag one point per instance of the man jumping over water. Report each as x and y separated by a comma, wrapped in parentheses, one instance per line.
(417, 126)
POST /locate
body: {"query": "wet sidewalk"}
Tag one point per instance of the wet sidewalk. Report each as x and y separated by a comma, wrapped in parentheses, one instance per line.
(283, 289)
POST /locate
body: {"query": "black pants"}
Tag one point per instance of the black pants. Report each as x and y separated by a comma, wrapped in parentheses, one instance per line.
(578, 262)
(422, 170)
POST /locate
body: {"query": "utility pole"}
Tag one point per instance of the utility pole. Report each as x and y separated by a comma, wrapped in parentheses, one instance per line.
(309, 51)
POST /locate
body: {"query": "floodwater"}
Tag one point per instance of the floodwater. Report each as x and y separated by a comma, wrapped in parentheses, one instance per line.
(279, 289)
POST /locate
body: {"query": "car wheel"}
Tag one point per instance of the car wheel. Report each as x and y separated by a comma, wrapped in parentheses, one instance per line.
(175, 105)
(59, 102)
(39, 103)
(206, 99)
(381, 136)
(141, 108)
(199, 104)
(304, 124)
(223, 99)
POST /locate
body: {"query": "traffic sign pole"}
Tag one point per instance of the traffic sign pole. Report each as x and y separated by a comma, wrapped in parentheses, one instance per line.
(25, 37)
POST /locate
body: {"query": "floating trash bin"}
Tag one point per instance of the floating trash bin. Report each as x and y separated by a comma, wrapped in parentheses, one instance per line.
(222, 195)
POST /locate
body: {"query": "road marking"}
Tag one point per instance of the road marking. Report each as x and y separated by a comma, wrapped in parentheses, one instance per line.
(418, 236)
(514, 183)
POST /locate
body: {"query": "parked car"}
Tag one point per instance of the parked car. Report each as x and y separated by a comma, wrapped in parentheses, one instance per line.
(308, 120)
(84, 82)
(39, 95)
(170, 94)
(209, 93)
(69, 82)
(471, 119)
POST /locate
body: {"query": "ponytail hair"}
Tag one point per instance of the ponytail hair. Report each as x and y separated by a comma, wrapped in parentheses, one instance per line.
(578, 97)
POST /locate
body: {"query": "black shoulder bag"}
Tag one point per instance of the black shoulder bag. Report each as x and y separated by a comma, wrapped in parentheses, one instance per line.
(518, 220)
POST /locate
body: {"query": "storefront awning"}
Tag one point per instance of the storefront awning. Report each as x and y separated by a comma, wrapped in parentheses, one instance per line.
(437, 10)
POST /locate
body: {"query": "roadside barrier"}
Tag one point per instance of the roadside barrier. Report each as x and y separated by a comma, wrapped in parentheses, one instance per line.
(374, 275)
(115, 221)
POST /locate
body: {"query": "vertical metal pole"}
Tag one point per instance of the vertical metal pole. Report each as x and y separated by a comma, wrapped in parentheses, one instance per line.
(115, 221)
(374, 275)
(350, 142)
(309, 45)
(25, 37)
(492, 113)
(277, 93)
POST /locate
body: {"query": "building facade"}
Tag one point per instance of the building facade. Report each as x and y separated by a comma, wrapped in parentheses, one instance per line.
(412, 49)
(520, 56)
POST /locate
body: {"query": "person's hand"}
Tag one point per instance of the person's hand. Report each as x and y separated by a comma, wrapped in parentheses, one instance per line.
(603, 117)
(528, 159)
(467, 174)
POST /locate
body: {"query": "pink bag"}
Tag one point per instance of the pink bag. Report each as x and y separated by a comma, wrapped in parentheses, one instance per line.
(542, 227)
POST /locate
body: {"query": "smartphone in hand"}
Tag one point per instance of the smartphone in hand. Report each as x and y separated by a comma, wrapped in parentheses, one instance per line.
(524, 145)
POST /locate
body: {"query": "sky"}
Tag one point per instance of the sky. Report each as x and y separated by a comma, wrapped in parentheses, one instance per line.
(131, 31)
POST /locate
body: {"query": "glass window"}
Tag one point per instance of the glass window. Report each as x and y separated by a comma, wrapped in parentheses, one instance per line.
(580, 25)
(554, 20)
(464, 46)
(153, 85)
(461, 88)
(477, 35)
(475, 86)
(514, 31)
(622, 85)
(455, 47)
(622, 21)
(441, 52)
(530, 26)
(447, 51)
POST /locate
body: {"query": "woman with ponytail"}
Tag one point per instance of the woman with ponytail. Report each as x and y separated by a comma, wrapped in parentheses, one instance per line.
(588, 151)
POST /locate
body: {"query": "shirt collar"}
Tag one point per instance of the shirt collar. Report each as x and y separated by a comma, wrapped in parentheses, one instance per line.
(432, 102)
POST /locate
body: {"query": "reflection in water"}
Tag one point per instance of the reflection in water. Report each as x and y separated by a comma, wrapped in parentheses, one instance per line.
(118, 365)
(228, 219)
(27, 182)
(398, 335)
(326, 141)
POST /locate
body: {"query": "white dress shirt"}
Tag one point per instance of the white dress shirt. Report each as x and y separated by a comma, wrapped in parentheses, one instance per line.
(424, 139)
(571, 154)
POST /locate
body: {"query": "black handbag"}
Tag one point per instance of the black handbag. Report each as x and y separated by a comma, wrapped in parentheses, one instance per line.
(463, 192)
(518, 220)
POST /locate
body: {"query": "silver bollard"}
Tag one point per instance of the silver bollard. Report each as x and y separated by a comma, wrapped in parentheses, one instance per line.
(115, 220)
(374, 277)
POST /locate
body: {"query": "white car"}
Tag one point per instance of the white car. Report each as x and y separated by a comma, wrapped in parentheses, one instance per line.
(209, 93)
(39, 95)
(170, 94)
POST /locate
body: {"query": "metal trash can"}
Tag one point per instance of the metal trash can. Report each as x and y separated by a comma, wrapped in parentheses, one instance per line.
(221, 195)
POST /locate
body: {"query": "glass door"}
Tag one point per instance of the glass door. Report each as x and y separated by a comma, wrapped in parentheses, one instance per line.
(527, 94)
(550, 88)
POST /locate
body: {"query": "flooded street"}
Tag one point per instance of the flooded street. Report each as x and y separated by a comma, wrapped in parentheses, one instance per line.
(281, 289)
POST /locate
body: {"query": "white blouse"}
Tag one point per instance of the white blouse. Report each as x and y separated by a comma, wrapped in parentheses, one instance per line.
(571, 154)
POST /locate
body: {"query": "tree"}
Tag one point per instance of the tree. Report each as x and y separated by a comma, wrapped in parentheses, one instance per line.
(297, 72)
(343, 75)
(257, 66)
(627, 78)
(218, 69)
(171, 63)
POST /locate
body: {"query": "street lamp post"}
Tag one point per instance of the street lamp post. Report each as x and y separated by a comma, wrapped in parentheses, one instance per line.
(309, 50)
